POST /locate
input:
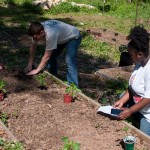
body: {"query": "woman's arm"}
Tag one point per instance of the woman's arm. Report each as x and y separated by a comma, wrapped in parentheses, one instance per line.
(127, 112)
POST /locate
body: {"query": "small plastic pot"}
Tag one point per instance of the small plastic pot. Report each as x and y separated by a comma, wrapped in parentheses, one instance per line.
(1, 96)
(67, 98)
(129, 142)
(99, 34)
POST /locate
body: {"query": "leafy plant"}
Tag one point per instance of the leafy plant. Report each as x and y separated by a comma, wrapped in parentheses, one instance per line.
(41, 78)
(11, 145)
(2, 86)
(70, 145)
(4, 118)
(72, 90)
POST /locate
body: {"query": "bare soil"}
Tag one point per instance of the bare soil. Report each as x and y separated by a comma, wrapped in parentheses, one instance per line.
(40, 118)
(112, 37)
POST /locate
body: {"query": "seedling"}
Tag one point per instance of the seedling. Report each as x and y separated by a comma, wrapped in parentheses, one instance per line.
(103, 100)
(72, 90)
(4, 117)
(2, 86)
(70, 145)
(125, 129)
(41, 78)
(10, 145)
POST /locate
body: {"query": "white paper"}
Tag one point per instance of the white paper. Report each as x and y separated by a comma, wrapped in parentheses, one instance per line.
(106, 110)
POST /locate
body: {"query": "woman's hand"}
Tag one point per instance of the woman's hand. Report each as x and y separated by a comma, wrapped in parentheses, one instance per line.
(118, 104)
(125, 113)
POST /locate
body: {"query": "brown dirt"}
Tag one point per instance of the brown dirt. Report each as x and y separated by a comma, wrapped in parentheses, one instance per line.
(40, 118)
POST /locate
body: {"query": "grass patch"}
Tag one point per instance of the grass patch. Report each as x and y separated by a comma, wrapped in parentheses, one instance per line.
(97, 48)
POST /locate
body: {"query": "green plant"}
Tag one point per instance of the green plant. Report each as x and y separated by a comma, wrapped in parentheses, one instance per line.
(4, 117)
(70, 145)
(125, 129)
(72, 90)
(2, 86)
(11, 145)
(118, 87)
(41, 78)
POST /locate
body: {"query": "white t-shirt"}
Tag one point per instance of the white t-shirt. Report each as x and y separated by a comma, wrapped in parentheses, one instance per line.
(58, 32)
(140, 83)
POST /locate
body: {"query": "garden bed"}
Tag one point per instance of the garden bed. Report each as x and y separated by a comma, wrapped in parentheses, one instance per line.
(39, 118)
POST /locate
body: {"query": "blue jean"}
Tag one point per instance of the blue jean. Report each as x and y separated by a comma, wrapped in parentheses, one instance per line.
(71, 59)
(144, 125)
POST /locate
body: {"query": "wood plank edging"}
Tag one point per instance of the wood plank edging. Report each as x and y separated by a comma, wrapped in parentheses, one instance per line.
(8, 132)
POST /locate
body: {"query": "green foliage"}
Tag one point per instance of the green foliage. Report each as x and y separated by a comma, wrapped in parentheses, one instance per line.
(41, 78)
(32, 8)
(2, 86)
(118, 87)
(96, 48)
(112, 91)
(104, 100)
(72, 90)
(66, 7)
(70, 145)
(10, 145)
(4, 117)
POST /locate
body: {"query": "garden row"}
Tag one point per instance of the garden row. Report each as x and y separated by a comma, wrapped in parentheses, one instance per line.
(39, 119)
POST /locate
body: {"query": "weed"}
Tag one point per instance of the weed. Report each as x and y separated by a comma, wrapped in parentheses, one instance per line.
(97, 125)
(10, 145)
(70, 145)
(4, 117)
(2, 86)
(41, 78)
(125, 129)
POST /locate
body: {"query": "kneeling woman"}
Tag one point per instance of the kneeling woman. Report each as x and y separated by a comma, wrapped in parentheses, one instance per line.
(139, 82)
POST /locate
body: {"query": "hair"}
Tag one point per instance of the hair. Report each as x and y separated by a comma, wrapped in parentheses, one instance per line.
(35, 28)
(139, 40)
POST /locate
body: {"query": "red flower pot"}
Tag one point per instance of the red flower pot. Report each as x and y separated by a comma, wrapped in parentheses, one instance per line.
(67, 98)
(1, 96)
